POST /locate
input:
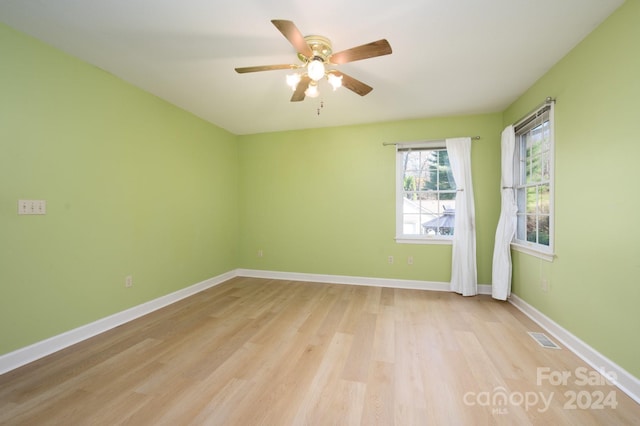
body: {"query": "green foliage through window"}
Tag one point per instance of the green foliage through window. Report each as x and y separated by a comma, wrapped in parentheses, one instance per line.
(533, 183)
(429, 191)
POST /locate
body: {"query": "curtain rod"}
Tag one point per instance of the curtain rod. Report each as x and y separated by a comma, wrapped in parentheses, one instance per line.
(548, 100)
(473, 138)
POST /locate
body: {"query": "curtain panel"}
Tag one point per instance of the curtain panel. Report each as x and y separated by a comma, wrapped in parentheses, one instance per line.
(502, 269)
(464, 273)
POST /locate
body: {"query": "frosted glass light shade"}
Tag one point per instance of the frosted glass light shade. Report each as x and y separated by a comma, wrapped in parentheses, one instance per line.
(335, 81)
(312, 91)
(293, 80)
(315, 69)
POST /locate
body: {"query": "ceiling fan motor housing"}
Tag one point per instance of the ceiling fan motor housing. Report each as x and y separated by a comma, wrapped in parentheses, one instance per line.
(320, 46)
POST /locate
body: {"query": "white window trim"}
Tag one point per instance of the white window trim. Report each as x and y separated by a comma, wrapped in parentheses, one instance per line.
(424, 240)
(401, 238)
(538, 250)
(533, 250)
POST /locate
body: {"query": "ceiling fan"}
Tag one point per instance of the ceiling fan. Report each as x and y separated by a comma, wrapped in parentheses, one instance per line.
(316, 55)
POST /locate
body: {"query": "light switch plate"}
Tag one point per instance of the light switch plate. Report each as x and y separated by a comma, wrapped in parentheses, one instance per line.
(32, 207)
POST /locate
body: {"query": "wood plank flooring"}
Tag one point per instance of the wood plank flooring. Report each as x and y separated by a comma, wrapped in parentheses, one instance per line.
(265, 352)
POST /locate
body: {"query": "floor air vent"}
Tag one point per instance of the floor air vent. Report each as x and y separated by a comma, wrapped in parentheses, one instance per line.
(543, 340)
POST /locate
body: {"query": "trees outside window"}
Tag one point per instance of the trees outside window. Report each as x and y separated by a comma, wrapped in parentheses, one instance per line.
(534, 182)
(427, 194)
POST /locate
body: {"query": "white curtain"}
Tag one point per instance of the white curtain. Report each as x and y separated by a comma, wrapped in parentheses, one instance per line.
(501, 272)
(464, 273)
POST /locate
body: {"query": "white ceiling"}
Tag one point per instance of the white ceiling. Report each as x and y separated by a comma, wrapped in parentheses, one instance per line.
(450, 57)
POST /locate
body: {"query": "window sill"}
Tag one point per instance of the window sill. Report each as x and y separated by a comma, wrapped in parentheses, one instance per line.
(405, 240)
(533, 252)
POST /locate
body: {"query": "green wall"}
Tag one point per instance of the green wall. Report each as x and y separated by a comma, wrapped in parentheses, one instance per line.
(133, 186)
(323, 201)
(594, 281)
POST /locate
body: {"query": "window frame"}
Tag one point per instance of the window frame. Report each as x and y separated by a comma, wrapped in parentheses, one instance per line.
(400, 237)
(546, 113)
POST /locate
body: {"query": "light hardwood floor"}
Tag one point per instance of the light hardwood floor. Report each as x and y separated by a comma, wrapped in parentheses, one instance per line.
(253, 351)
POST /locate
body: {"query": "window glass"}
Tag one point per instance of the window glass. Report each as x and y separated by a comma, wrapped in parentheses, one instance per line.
(534, 179)
(426, 194)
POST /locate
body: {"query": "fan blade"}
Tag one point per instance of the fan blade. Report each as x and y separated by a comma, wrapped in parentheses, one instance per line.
(243, 70)
(354, 85)
(295, 37)
(370, 50)
(298, 95)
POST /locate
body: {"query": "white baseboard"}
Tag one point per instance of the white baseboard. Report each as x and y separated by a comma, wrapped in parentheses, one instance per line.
(347, 279)
(22, 356)
(624, 380)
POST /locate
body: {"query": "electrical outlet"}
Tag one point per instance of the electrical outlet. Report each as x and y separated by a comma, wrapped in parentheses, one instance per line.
(544, 284)
(390, 260)
(128, 281)
(260, 253)
(410, 260)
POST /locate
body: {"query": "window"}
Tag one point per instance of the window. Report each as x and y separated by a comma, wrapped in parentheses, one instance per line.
(534, 181)
(425, 193)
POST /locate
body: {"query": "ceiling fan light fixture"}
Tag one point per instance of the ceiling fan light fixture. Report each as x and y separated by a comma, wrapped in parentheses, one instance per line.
(315, 69)
(312, 90)
(293, 80)
(334, 80)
